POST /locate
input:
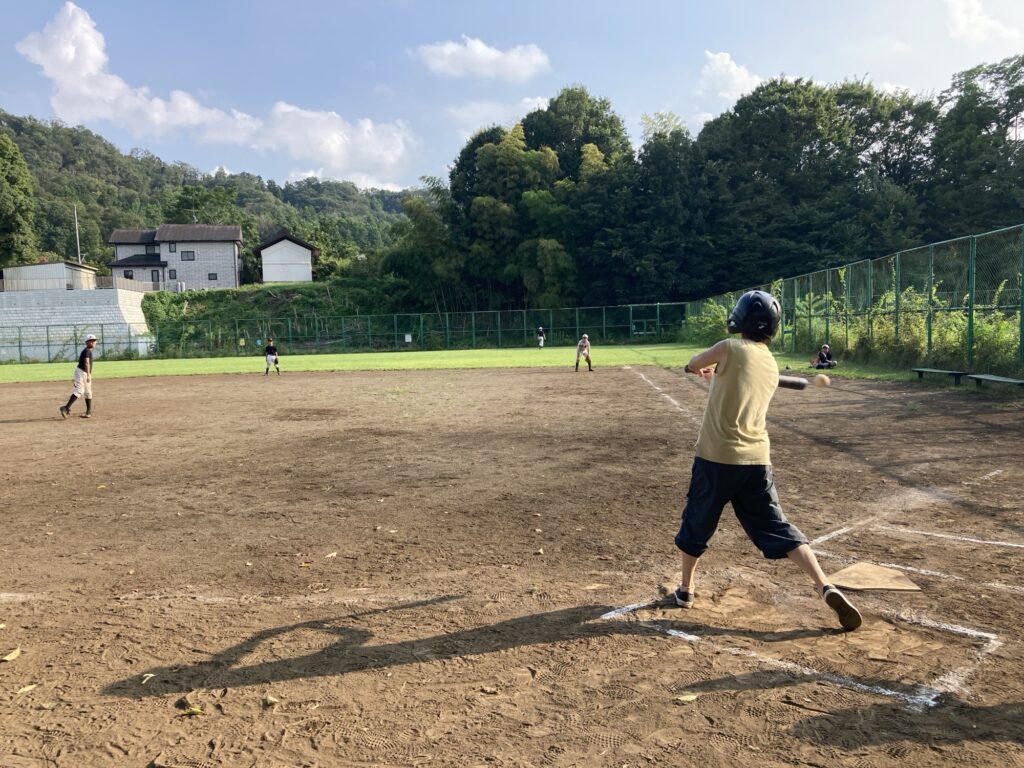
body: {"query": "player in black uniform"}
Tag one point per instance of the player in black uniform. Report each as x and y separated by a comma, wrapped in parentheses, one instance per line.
(82, 383)
(271, 355)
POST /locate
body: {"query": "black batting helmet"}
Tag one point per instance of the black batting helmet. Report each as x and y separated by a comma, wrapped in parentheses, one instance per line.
(756, 313)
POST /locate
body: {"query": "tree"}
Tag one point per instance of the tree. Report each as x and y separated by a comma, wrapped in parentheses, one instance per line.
(570, 120)
(17, 206)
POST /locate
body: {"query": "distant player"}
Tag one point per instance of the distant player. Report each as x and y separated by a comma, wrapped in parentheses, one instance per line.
(541, 337)
(583, 350)
(82, 382)
(272, 360)
(733, 464)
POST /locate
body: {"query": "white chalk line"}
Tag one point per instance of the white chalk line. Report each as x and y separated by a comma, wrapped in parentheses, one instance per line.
(968, 539)
(955, 681)
(996, 585)
(686, 412)
(921, 697)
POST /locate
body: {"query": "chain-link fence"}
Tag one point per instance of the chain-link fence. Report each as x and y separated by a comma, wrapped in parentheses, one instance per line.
(958, 305)
(635, 323)
(53, 343)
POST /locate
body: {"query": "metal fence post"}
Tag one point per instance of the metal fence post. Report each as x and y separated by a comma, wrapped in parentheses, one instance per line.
(131, 351)
(103, 341)
(289, 332)
(1020, 302)
(498, 313)
(369, 333)
(21, 355)
(871, 300)
(931, 291)
(472, 325)
(551, 323)
(524, 328)
(972, 255)
(577, 322)
(828, 303)
(657, 321)
(630, 322)
(846, 304)
(896, 306)
(48, 358)
(604, 323)
(423, 341)
(343, 333)
(396, 330)
(447, 332)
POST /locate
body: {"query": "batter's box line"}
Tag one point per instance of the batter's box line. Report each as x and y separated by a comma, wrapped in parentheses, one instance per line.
(949, 536)
(995, 585)
(919, 697)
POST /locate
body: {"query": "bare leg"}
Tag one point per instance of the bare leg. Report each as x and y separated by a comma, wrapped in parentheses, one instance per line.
(689, 566)
(804, 557)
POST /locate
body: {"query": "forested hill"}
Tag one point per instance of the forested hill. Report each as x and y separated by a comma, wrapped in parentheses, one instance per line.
(73, 165)
(562, 210)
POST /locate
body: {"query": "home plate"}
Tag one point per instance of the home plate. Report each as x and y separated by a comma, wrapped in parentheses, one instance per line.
(865, 576)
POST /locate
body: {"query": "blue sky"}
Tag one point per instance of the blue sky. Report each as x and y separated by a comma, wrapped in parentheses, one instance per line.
(382, 92)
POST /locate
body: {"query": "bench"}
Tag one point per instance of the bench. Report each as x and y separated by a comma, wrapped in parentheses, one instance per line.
(980, 377)
(957, 375)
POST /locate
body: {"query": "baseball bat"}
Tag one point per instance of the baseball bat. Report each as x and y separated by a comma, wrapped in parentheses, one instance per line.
(792, 382)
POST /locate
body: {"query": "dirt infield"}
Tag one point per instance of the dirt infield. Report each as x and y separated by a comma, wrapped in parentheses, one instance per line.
(425, 568)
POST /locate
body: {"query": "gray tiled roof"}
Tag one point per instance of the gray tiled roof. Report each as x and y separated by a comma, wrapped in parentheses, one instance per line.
(287, 236)
(198, 233)
(132, 236)
(139, 260)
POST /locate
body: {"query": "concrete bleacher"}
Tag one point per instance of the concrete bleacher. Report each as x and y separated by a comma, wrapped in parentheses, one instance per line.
(50, 325)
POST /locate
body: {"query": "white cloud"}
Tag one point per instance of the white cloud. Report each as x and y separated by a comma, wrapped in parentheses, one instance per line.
(968, 22)
(473, 57)
(72, 53)
(474, 115)
(724, 78)
(894, 89)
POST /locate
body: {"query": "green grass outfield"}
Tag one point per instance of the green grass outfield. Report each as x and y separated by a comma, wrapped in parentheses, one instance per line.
(663, 355)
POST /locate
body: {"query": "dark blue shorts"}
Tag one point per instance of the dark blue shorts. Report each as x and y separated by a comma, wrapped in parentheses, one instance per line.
(751, 490)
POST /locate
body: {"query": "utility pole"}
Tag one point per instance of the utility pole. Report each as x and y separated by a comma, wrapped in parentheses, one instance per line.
(78, 244)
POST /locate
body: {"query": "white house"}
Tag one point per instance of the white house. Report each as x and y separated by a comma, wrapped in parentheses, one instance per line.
(58, 275)
(287, 259)
(188, 256)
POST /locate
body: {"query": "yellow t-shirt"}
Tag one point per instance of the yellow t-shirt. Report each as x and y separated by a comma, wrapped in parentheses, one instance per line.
(733, 430)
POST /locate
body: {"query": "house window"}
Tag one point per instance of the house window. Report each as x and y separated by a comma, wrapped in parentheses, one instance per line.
(188, 255)
(212, 275)
(129, 274)
(172, 247)
(172, 274)
(152, 249)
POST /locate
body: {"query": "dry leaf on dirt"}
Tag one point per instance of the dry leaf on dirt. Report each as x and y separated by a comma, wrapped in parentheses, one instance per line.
(686, 697)
(192, 712)
(12, 655)
(147, 677)
(27, 688)
(332, 554)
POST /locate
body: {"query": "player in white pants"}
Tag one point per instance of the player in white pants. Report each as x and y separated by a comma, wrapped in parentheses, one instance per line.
(82, 383)
(583, 350)
(271, 354)
(541, 337)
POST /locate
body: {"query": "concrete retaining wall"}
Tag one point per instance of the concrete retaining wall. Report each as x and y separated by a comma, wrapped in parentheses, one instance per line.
(43, 326)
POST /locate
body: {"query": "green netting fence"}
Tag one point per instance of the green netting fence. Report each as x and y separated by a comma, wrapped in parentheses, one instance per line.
(957, 304)
(627, 324)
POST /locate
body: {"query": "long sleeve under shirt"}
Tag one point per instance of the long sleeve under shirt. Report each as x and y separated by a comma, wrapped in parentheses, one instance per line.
(734, 430)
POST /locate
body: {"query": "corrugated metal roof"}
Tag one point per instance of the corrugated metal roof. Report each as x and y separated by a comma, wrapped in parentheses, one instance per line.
(198, 233)
(132, 236)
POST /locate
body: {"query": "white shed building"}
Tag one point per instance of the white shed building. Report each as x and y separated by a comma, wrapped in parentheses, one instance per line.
(287, 259)
(58, 275)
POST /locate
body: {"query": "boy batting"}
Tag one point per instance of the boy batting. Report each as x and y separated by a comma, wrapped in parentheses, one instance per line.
(733, 462)
(82, 382)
